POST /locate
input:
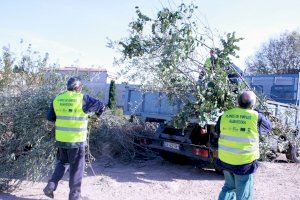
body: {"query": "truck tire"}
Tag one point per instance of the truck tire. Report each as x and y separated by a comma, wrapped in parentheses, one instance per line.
(293, 153)
(173, 157)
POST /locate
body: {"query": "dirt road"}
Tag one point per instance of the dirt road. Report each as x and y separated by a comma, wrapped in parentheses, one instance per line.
(160, 180)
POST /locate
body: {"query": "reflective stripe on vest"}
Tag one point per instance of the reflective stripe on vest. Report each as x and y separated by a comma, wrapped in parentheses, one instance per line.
(78, 130)
(237, 151)
(71, 122)
(239, 137)
(72, 118)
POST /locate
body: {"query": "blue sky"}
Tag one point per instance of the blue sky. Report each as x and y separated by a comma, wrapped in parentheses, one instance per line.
(77, 30)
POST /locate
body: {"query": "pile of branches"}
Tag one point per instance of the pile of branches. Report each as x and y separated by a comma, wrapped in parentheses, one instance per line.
(113, 136)
(279, 140)
(26, 138)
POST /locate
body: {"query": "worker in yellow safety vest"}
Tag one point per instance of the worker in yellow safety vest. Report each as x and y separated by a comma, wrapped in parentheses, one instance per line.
(238, 146)
(69, 112)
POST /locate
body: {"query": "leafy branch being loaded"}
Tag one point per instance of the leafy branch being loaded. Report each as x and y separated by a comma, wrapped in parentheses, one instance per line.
(167, 52)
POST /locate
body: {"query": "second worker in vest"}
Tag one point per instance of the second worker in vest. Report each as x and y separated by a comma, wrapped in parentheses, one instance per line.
(238, 146)
(69, 112)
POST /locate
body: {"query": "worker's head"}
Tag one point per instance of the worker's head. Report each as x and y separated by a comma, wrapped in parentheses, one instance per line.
(247, 100)
(74, 84)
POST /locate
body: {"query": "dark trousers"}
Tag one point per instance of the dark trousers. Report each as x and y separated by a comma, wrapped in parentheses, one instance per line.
(74, 160)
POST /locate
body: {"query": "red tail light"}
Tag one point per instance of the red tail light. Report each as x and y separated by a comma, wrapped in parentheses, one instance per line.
(201, 152)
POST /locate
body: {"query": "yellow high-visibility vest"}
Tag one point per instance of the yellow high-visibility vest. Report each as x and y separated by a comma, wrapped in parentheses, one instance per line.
(239, 137)
(71, 122)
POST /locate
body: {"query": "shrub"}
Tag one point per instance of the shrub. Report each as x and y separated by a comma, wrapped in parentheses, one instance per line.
(27, 147)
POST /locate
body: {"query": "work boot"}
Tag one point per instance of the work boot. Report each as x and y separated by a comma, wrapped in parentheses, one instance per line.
(48, 191)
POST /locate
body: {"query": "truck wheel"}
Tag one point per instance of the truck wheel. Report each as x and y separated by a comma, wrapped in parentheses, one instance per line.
(173, 157)
(293, 153)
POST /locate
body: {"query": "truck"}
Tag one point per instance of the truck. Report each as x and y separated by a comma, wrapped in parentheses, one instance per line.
(284, 88)
(194, 143)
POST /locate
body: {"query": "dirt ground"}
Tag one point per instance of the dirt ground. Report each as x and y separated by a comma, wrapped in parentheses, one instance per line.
(160, 180)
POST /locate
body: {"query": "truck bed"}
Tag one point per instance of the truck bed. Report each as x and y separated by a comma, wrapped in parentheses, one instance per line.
(151, 105)
(156, 106)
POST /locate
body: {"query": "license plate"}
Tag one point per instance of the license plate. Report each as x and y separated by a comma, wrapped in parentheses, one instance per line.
(171, 145)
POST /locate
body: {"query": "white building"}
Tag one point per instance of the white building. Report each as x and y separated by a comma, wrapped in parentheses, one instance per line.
(94, 80)
(95, 83)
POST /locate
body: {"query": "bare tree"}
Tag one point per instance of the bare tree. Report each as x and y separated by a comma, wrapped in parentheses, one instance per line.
(279, 55)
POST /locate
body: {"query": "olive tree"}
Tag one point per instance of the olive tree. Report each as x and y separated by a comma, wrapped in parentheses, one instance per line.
(27, 87)
(167, 53)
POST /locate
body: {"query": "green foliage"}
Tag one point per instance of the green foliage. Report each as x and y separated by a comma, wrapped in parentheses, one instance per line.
(26, 138)
(165, 53)
(282, 136)
(113, 136)
(283, 133)
(119, 112)
(27, 146)
(112, 104)
(277, 56)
